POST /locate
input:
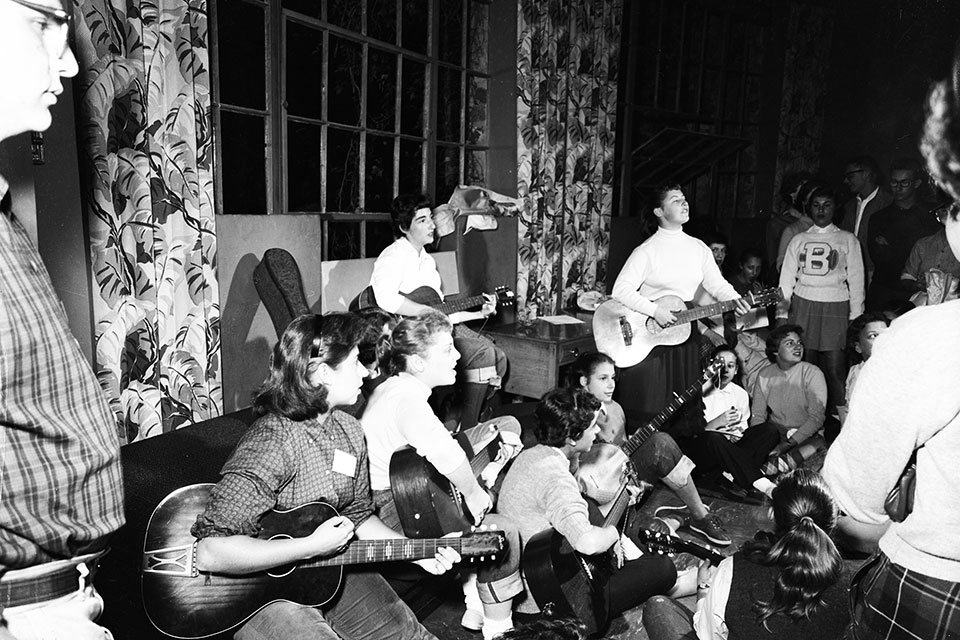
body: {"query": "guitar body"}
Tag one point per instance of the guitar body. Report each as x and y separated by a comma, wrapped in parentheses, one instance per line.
(182, 606)
(564, 582)
(428, 505)
(629, 336)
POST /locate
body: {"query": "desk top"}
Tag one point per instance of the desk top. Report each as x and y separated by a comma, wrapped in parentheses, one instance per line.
(544, 331)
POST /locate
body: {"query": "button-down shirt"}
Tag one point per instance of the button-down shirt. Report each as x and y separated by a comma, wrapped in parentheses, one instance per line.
(61, 490)
(861, 205)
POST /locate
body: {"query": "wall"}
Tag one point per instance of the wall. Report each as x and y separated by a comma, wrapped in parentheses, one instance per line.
(46, 199)
(885, 54)
(247, 334)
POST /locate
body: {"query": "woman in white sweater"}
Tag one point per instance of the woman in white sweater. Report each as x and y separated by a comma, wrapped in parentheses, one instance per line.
(823, 287)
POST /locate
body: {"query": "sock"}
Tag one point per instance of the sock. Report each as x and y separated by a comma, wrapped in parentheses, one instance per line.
(471, 597)
(492, 628)
(764, 485)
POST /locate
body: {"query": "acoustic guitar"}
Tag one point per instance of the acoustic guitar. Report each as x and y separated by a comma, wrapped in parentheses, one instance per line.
(429, 296)
(629, 336)
(564, 582)
(428, 504)
(601, 468)
(669, 544)
(183, 602)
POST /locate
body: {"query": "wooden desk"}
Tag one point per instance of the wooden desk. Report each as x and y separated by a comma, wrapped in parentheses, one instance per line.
(537, 351)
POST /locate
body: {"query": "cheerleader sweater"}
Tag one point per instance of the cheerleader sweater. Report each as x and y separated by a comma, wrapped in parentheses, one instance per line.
(823, 264)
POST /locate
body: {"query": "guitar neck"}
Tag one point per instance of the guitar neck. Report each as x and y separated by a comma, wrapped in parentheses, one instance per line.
(618, 507)
(461, 304)
(370, 551)
(706, 311)
(635, 441)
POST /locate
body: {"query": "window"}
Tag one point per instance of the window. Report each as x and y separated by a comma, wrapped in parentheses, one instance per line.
(355, 101)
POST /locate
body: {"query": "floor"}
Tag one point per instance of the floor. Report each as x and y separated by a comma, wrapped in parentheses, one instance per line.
(740, 521)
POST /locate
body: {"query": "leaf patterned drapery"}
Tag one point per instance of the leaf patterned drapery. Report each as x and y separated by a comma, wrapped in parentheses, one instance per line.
(145, 147)
(803, 105)
(567, 64)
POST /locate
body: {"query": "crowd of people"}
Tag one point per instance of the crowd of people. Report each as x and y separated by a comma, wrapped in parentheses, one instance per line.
(861, 358)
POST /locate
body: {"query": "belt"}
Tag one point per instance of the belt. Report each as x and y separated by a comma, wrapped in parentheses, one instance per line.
(48, 581)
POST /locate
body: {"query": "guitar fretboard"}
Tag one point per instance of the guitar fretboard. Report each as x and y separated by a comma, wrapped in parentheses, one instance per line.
(368, 551)
(706, 311)
(461, 304)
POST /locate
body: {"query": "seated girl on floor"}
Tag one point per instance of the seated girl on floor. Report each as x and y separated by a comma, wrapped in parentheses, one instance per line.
(779, 585)
(860, 336)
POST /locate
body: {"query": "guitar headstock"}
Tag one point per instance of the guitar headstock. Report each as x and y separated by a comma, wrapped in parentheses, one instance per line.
(668, 544)
(765, 297)
(712, 370)
(482, 542)
(505, 295)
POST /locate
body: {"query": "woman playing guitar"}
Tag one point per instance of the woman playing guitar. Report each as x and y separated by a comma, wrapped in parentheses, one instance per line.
(302, 449)
(540, 492)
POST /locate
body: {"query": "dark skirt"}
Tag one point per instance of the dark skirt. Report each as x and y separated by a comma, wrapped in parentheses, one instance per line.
(824, 323)
(645, 388)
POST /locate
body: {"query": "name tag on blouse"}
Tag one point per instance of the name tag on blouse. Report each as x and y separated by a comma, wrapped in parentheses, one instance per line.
(344, 463)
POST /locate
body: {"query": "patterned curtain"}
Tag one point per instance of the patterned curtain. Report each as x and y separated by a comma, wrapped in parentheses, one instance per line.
(145, 146)
(806, 63)
(567, 64)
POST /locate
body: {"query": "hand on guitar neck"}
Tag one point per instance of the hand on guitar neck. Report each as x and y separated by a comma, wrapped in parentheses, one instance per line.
(665, 317)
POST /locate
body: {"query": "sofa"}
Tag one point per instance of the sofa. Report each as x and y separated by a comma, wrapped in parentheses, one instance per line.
(154, 467)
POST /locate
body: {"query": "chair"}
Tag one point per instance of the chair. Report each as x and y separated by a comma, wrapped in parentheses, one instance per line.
(278, 282)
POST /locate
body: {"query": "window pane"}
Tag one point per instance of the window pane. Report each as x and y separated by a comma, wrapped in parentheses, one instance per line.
(416, 24)
(478, 37)
(343, 170)
(306, 7)
(476, 167)
(343, 240)
(448, 172)
(243, 163)
(451, 31)
(346, 69)
(303, 167)
(381, 90)
(412, 97)
(477, 110)
(449, 116)
(304, 70)
(345, 13)
(241, 45)
(379, 237)
(378, 174)
(411, 167)
(382, 20)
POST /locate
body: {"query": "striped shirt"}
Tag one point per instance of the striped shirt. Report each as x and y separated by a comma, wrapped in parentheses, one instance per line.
(61, 490)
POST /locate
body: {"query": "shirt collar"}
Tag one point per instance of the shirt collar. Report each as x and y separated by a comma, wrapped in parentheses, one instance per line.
(870, 197)
(827, 229)
(4, 187)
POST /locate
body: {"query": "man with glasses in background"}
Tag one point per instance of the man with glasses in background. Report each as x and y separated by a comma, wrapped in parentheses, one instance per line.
(61, 491)
(862, 177)
(893, 232)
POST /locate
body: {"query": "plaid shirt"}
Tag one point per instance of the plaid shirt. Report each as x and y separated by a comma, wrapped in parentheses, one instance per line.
(61, 491)
(284, 464)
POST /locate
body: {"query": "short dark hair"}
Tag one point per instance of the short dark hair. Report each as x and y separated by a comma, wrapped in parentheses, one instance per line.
(372, 321)
(564, 414)
(412, 336)
(805, 196)
(793, 181)
(908, 164)
(749, 252)
(547, 629)
(585, 365)
(309, 338)
(869, 164)
(404, 208)
(776, 337)
(660, 192)
(853, 332)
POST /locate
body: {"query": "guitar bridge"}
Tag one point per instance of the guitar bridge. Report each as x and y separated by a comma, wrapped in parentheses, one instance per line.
(180, 560)
(626, 331)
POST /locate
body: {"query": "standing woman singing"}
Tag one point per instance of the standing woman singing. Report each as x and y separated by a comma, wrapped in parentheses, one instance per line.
(669, 262)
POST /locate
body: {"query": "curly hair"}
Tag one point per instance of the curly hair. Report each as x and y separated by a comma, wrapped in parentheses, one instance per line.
(776, 337)
(585, 366)
(412, 336)
(308, 341)
(547, 629)
(853, 333)
(564, 414)
(809, 563)
(941, 134)
(374, 321)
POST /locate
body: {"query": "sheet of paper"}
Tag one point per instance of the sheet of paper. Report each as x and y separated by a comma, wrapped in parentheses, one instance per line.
(561, 319)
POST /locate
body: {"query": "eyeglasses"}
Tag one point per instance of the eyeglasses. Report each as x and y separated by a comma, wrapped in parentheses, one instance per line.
(56, 27)
(903, 184)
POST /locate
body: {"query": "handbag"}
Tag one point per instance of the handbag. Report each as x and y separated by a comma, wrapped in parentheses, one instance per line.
(899, 502)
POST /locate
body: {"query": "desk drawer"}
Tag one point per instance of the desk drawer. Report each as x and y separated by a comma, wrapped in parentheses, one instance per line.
(569, 351)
